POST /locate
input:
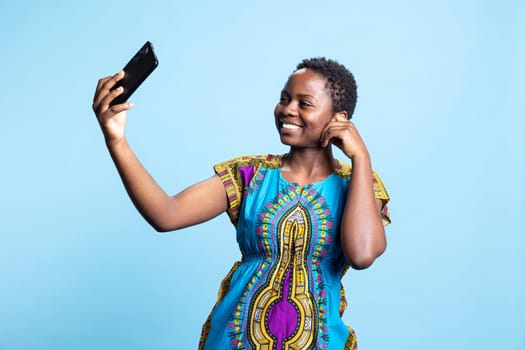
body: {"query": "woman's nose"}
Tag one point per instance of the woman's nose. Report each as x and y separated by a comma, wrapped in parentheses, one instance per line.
(290, 108)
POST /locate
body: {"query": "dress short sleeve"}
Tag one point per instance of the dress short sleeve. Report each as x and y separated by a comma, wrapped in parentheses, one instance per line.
(236, 175)
(345, 170)
(381, 193)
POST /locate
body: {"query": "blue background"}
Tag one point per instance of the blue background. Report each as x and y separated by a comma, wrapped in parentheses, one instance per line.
(441, 107)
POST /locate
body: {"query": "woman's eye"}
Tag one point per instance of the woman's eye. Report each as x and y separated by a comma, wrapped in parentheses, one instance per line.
(305, 104)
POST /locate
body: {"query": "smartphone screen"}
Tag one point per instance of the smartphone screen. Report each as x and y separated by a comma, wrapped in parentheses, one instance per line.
(135, 72)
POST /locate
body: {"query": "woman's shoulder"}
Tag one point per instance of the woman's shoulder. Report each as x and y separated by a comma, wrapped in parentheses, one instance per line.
(344, 170)
(272, 161)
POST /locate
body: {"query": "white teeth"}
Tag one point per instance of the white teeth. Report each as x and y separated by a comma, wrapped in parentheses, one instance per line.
(290, 126)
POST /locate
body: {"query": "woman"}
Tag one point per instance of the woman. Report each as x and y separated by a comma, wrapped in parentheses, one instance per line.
(302, 218)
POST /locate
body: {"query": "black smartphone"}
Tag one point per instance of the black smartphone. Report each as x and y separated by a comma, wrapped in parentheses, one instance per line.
(135, 72)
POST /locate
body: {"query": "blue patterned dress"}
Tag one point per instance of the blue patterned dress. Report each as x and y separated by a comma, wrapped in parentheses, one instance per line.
(286, 292)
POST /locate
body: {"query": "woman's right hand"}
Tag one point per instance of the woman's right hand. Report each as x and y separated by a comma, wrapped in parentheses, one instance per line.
(196, 204)
(112, 119)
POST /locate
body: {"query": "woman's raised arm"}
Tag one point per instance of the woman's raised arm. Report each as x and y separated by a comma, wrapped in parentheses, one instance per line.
(198, 203)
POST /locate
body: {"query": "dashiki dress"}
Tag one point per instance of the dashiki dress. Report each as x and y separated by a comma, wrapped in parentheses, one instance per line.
(286, 292)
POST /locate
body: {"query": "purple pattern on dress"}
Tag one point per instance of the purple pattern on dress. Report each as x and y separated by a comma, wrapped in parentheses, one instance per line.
(282, 317)
(246, 173)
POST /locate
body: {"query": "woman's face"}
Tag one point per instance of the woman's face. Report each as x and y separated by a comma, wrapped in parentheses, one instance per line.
(304, 109)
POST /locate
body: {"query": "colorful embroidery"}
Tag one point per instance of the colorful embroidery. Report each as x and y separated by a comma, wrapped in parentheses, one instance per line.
(283, 313)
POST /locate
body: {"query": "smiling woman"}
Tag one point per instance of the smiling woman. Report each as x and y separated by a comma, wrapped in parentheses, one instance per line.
(302, 218)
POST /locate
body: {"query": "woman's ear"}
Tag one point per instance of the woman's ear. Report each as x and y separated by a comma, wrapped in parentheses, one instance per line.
(342, 115)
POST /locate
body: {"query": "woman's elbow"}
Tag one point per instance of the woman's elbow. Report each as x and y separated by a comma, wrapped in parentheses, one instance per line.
(365, 258)
(162, 227)
(361, 263)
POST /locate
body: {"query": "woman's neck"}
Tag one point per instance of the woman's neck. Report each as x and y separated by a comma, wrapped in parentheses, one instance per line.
(306, 165)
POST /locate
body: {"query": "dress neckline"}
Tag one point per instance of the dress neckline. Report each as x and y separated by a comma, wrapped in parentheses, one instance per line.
(310, 184)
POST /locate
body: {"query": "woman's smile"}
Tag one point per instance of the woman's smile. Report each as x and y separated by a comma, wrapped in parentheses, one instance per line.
(289, 125)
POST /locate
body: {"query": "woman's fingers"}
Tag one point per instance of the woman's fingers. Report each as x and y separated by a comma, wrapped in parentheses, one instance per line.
(106, 100)
(100, 83)
(103, 89)
(335, 128)
(116, 109)
(344, 135)
(333, 132)
(112, 115)
(97, 97)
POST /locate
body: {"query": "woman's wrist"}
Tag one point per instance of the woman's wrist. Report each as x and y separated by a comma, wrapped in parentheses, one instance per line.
(115, 144)
(363, 157)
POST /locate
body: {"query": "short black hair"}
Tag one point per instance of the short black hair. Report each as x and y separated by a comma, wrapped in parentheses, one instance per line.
(341, 83)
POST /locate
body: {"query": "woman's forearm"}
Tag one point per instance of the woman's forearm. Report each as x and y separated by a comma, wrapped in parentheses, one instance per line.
(147, 196)
(197, 203)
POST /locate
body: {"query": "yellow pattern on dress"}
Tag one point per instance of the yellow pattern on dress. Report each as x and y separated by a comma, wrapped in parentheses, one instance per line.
(294, 232)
